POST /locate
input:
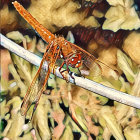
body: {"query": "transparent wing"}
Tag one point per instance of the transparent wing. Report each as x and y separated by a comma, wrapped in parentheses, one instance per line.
(87, 58)
(31, 96)
(90, 61)
(38, 84)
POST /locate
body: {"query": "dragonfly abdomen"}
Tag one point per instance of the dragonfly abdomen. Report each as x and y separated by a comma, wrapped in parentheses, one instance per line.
(42, 31)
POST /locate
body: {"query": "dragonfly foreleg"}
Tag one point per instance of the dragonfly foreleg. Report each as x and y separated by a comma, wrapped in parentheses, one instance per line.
(67, 70)
(79, 74)
(62, 71)
(70, 73)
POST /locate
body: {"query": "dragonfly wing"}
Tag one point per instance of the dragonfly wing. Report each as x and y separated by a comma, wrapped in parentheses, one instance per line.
(38, 84)
(91, 62)
(87, 58)
(35, 86)
(31, 94)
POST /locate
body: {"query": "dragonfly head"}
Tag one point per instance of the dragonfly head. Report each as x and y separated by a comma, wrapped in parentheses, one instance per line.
(75, 61)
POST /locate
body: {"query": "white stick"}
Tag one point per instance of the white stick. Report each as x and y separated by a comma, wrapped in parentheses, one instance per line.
(80, 81)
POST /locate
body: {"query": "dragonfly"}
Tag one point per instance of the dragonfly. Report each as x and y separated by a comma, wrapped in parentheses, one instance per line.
(57, 48)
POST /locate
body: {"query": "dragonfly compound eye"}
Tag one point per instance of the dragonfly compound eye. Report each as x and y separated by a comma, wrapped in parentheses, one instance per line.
(78, 64)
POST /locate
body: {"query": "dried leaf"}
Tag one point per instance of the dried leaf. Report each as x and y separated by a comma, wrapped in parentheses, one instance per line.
(8, 19)
(18, 80)
(131, 46)
(40, 119)
(58, 130)
(111, 122)
(91, 127)
(41, 46)
(23, 68)
(18, 37)
(90, 22)
(5, 57)
(68, 135)
(16, 121)
(78, 116)
(126, 66)
(61, 13)
(132, 133)
(121, 15)
(58, 115)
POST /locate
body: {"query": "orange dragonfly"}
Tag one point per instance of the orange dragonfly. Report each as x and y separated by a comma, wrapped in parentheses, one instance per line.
(58, 48)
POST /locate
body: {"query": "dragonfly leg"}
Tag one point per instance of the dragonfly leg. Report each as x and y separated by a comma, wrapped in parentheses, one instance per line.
(68, 70)
(79, 74)
(70, 73)
(62, 72)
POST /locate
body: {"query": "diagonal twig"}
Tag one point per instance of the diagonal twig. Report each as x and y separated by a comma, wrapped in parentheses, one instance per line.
(79, 81)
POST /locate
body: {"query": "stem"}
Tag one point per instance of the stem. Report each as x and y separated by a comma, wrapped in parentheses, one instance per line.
(79, 81)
